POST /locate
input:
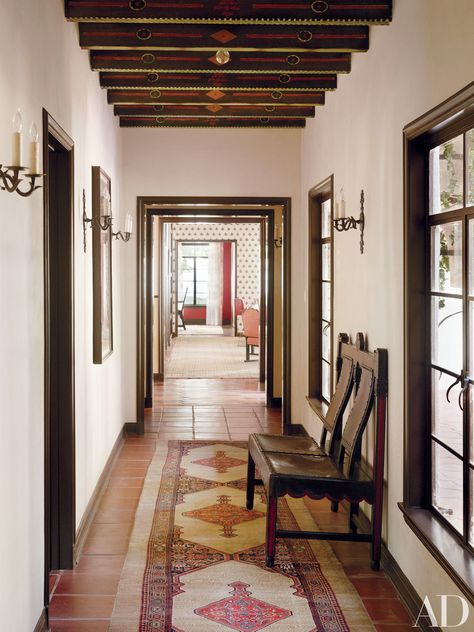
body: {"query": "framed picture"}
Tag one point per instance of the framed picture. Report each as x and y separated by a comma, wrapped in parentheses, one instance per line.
(101, 267)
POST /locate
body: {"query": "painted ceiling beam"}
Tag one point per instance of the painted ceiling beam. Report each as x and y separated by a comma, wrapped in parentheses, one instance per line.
(232, 37)
(214, 109)
(205, 97)
(221, 81)
(163, 121)
(208, 11)
(203, 61)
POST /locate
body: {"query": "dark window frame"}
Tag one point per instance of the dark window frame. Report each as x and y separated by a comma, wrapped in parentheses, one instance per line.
(445, 121)
(316, 197)
(194, 257)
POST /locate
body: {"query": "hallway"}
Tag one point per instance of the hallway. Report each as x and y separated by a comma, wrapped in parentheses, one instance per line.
(83, 599)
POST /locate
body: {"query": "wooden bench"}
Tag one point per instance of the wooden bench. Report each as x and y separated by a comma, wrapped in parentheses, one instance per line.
(298, 466)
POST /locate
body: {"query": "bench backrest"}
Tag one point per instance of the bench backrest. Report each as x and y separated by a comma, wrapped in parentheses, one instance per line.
(371, 384)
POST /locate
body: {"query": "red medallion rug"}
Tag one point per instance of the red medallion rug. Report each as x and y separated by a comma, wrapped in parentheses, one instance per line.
(196, 560)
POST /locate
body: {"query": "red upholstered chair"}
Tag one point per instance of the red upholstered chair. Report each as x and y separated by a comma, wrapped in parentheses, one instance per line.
(251, 323)
(238, 306)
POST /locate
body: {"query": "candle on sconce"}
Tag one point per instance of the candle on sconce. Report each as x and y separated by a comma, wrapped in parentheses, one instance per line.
(337, 206)
(342, 209)
(129, 223)
(34, 149)
(17, 140)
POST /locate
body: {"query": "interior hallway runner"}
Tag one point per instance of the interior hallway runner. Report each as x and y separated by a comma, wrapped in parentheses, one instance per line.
(196, 561)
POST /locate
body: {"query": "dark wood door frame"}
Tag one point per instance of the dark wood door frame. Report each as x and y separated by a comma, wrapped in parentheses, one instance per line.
(222, 207)
(263, 310)
(59, 380)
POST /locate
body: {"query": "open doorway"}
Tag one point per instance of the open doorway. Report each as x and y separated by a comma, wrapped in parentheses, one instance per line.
(159, 317)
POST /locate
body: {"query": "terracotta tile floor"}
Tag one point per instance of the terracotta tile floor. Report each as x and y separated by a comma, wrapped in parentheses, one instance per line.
(82, 600)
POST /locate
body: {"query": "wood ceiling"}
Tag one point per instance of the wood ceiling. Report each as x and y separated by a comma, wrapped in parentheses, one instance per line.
(222, 63)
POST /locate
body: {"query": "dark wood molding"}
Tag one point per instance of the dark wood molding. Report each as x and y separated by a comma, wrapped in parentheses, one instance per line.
(59, 386)
(94, 501)
(221, 207)
(42, 624)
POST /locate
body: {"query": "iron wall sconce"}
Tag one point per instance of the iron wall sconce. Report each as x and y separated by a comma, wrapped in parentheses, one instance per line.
(127, 233)
(278, 241)
(341, 224)
(103, 221)
(13, 176)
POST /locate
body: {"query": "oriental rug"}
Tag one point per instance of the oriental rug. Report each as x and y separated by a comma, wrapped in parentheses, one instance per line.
(196, 561)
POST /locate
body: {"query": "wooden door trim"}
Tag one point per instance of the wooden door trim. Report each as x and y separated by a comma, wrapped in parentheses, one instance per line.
(227, 207)
(52, 131)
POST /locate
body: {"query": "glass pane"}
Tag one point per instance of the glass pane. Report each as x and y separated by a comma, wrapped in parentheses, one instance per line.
(326, 256)
(446, 258)
(326, 301)
(471, 417)
(470, 168)
(471, 340)
(201, 299)
(447, 494)
(326, 380)
(446, 176)
(326, 219)
(447, 417)
(201, 263)
(446, 333)
(471, 512)
(326, 341)
(471, 257)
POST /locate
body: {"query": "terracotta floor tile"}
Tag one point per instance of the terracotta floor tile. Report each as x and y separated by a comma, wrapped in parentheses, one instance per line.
(374, 587)
(387, 611)
(106, 545)
(98, 530)
(136, 454)
(115, 516)
(123, 492)
(118, 503)
(91, 625)
(72, 583)
(100, 564)
(81, 606)
(395, 627)
(120, 482)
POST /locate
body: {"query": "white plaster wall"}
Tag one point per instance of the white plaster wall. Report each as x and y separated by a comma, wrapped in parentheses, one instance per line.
(42, 66)
(215, 162)
(418, 61)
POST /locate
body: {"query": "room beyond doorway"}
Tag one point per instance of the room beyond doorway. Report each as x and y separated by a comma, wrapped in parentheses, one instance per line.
(273, 300)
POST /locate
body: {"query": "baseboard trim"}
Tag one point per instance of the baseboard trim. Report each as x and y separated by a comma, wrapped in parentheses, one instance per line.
(297, 430)
(93, 504)
(42, 625)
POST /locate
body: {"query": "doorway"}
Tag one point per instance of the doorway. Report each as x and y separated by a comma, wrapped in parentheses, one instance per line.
(59, 413)
(263, 211)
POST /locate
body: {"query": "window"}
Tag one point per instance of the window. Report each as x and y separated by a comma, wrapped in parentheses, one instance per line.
(450, 226)
(192, 273)
(438, 499)
(320, 299)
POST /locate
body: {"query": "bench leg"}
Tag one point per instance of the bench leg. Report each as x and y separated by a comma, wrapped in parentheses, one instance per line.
(247, 353)
(376, 536)
(334, 506)
(250, 482)
(354, 511)
(270, 543)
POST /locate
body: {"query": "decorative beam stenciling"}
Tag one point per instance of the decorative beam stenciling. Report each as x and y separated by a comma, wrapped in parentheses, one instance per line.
(243, 37)
(163, 121)
(221, 81)
(205, 61)
(215, 110)
(205, 97)
(360, 11)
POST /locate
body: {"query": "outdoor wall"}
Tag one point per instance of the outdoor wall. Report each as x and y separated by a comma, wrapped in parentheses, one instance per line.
(418, 61)
(42, 66)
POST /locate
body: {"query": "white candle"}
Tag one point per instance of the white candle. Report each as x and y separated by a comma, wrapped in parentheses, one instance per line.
(337, 206)
(129, 223)
(34, 149)
(17, 140)
(342, 206)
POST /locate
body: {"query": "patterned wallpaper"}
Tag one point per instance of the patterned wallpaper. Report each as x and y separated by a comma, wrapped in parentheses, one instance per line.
(248, 252)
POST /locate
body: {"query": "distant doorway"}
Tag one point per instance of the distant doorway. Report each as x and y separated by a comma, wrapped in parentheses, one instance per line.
(60, 518)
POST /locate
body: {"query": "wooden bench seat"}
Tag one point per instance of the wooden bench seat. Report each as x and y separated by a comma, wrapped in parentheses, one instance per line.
(298, 466)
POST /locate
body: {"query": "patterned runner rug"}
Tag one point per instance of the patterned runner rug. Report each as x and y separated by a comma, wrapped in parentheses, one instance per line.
(196, 561)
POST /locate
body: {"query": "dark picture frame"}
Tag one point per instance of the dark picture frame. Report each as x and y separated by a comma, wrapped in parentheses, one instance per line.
(101, 268)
